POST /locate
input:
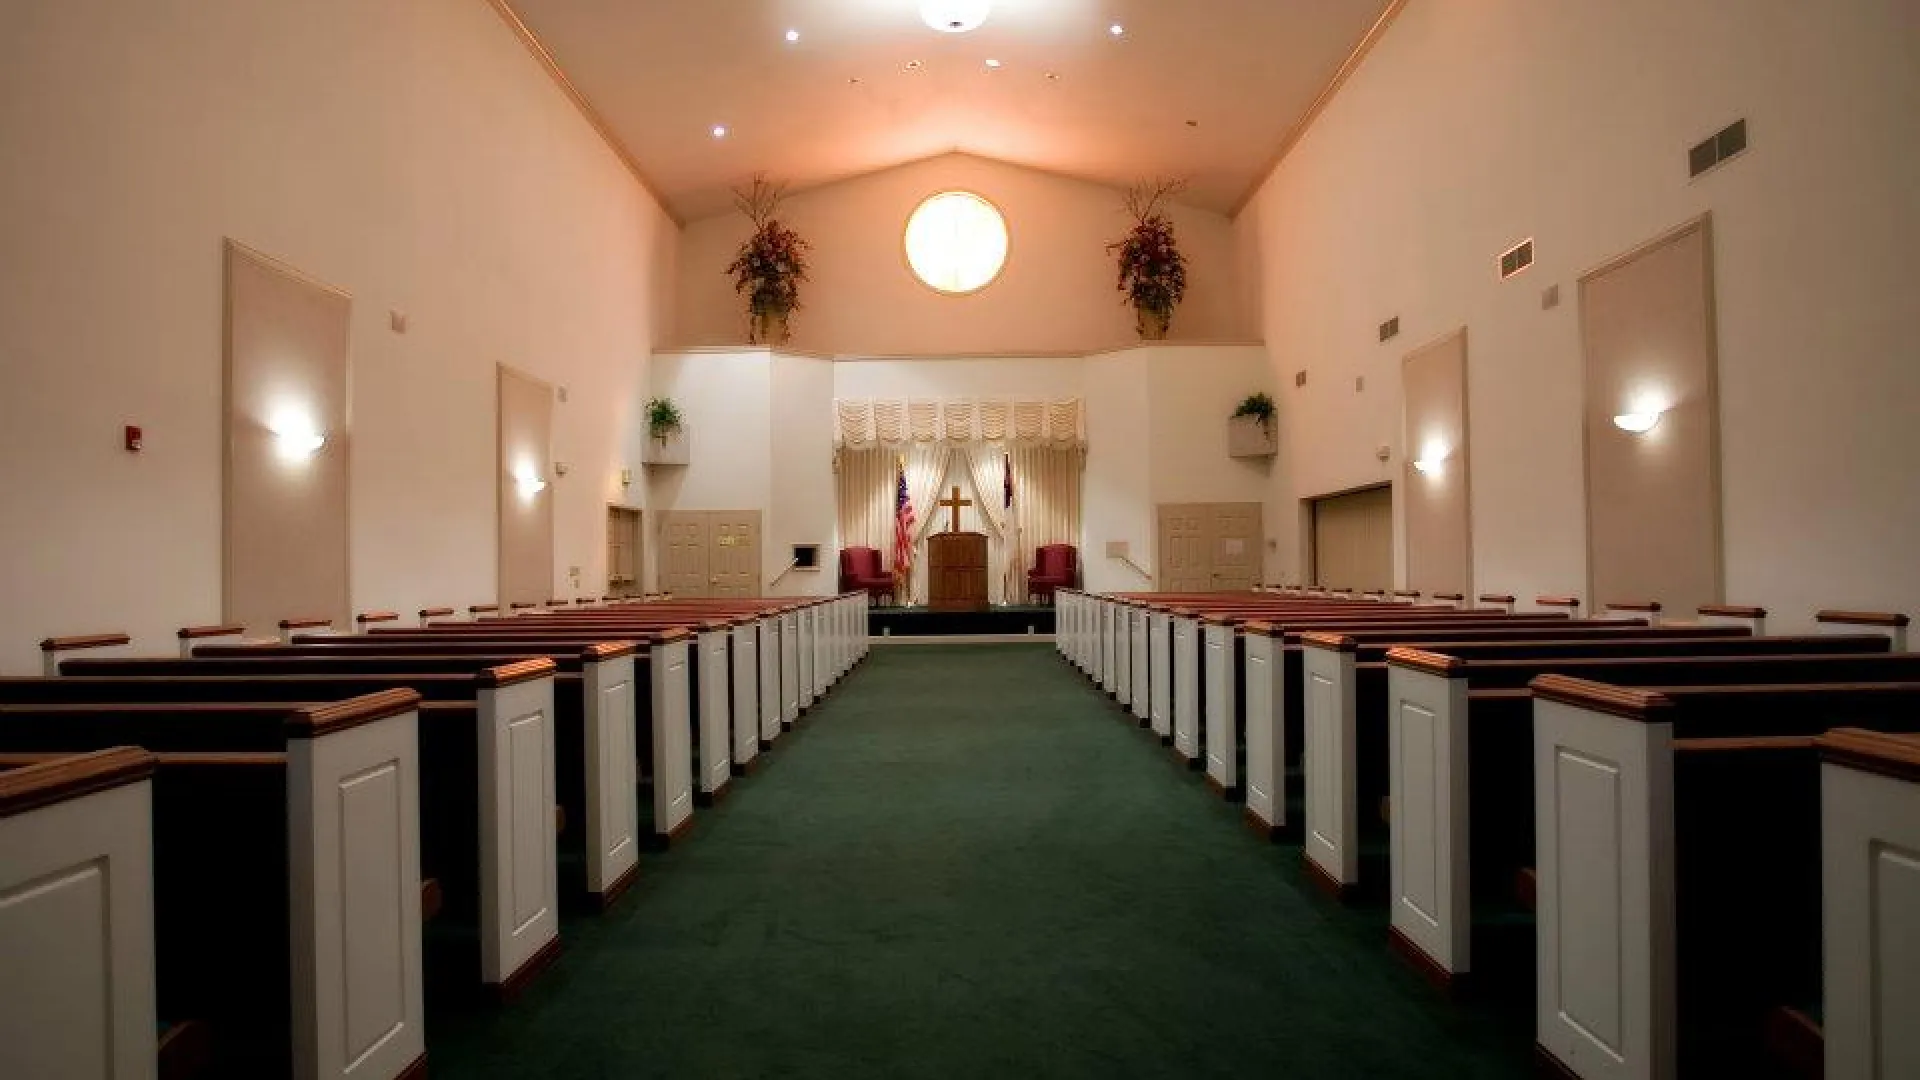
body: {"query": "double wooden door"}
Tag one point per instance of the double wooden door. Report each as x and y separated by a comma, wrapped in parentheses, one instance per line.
(1210, 547)
(711, 553)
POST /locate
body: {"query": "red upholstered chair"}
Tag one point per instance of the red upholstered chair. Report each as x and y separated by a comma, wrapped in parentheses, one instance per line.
(860, 571)
(1055, 566)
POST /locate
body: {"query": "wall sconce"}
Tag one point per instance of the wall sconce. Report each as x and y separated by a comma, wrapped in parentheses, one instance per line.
(529, 484)
(1432, 460)
(1638, 423)
(296, 439)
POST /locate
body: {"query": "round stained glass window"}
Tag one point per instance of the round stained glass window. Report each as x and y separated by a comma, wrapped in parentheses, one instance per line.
(956, 242)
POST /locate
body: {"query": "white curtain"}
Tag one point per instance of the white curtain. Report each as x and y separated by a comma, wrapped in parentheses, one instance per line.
(1046, 508)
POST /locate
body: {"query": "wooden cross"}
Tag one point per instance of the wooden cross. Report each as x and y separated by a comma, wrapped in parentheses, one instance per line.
(954, 504)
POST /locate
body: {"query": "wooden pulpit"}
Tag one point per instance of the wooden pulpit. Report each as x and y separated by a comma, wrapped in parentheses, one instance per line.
(957, 571)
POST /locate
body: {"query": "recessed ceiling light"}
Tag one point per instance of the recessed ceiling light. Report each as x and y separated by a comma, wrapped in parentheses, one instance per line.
(719, 131)
(793, 36)
(992, 63)
(1053, 76)
(914, 65)
(1193, 123)
(1116, 30)
(955, 16)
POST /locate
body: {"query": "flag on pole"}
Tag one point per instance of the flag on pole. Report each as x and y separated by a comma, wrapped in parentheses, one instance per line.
(1007, 459)
(902, 524)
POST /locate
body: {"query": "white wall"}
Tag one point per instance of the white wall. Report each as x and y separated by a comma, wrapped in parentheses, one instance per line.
(1056, 294)
(1473, 125)
(414, 154)
(802, 467)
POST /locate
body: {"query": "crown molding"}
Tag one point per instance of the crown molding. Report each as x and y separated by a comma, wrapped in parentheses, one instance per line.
(504, 8)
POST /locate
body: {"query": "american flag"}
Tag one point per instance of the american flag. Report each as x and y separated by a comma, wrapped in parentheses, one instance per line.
(1007, 474)
(902, 525)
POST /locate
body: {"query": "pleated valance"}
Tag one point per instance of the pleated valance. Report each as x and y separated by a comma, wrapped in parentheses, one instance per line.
(862, 423)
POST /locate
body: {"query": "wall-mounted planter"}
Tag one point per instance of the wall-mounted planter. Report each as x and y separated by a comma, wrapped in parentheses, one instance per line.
(671, 450)
(1247, 437)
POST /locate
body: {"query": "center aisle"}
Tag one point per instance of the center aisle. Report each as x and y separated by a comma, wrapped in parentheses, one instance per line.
(966, 862)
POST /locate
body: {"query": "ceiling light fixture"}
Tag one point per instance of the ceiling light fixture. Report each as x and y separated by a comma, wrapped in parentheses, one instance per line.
(719, 131)
(955, 16)
(793, 36)
(992, 63)
(1116, 30)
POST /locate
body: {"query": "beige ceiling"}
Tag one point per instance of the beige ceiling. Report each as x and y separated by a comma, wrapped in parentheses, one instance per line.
(1204, 89)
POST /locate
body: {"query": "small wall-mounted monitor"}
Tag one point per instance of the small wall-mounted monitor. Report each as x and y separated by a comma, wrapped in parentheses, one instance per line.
(806, 556)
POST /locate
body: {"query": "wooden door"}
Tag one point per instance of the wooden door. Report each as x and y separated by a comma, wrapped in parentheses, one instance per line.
(1235, 536)
(1353, 539)
(525, 499)
(733, 563)
(1185, 565)
(624, 551)
(683, 555)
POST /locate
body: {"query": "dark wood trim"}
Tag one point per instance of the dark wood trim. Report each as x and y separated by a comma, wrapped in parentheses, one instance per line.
(432, 899)
(1324, 881)
(714, 797)
(558, 604)
(1649, 606)
(416, 1069)
(1736, 743)
(1550, 1067)
(1896, 756)
(1262, 828)
(70, 777)
(304, 623)
(516, 984)
(1454, 596)
(519, 671)
(1629, 703)
(1796, 1043)
(435, 612)
(1555, 601)
(1433, 663)
(1526, 888)
(609, 650)
(523, 605)
(616, 889)
(669, 635)
(84, 641)
(1443, 980)
(1862, 618)
(583, 600)
(1217, 619)
(1260, 629)
(667, 838)
(1497, 598)
(480, 609)
(1336, 642)
(1733, 611)
(366, 617)
(319, 720)
(1230, 794)
(195, 633)
(1407, 594)
(749, 768)
(710, 625)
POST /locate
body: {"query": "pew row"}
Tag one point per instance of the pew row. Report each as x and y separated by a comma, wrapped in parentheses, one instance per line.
(304, 825)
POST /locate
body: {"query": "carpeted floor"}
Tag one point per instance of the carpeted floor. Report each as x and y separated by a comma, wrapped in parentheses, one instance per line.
(967, 863)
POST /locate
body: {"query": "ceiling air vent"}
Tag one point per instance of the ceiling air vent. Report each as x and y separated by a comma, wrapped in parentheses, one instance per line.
(1725, 143)
(1390, 329)
(1516, 259)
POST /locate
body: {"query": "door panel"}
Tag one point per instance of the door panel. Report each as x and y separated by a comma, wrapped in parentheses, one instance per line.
(1183, 547)
(684, 565)
(1353, 540)
(1236, 534)
(734, 560)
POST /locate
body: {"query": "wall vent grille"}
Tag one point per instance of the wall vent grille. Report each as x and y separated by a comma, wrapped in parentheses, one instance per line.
(1390, 329)
(1515, 259)
(1723, 144)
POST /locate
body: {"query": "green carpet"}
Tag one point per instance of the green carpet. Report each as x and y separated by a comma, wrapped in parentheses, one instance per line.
(967, 863)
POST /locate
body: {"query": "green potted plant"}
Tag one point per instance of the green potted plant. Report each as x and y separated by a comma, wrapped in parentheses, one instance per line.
(666, 434)
(1153, 272)
(770, 266)
(1250, 430)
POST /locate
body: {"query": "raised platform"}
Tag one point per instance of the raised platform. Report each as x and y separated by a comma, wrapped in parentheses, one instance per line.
(920, 622)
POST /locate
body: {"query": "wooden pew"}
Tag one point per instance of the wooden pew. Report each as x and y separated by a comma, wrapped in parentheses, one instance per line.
(248, 844)
(1870, 892)
(76, 917)
(594, 725)
(1693, 905)
(487, 745)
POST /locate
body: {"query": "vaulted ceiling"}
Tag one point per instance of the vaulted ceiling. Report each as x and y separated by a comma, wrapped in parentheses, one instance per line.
(1209, 90)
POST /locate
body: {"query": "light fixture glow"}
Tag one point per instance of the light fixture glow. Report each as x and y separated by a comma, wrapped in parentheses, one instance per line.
(295, 437)
(719, 131)
(1638, 423)
(1116, 30)
(528, 482)
(992, 63)
(955, 16)
(793, 36)
(1432, 459)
